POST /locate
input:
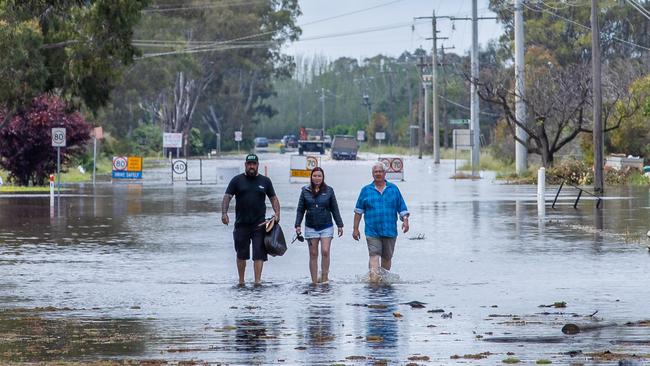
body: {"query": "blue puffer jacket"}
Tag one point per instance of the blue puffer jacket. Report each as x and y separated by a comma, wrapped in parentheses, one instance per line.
(320, 209)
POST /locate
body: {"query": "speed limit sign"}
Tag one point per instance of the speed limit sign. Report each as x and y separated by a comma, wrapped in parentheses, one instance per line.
(58, 137)
(312, 162)
(120, 163)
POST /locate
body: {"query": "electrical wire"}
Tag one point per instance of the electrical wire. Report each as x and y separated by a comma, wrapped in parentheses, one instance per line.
(584, 26)
(639, 8)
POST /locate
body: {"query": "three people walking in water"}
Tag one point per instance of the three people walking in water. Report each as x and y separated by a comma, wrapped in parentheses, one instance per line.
(379, 202)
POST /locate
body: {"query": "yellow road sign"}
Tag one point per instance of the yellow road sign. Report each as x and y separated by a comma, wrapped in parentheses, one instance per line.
(134, 164)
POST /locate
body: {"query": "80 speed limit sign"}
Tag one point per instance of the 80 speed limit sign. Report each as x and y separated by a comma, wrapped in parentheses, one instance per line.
(58, 137)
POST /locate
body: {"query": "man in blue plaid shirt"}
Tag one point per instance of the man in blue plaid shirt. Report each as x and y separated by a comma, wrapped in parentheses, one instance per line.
(381, 203)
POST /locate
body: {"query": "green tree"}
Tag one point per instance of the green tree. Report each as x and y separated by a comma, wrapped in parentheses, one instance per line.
(76, 49)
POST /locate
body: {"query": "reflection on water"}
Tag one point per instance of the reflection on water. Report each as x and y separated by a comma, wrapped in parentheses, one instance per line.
(128, 259)
(381, 323)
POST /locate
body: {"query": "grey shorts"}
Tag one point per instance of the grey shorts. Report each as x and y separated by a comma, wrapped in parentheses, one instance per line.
(381, 246)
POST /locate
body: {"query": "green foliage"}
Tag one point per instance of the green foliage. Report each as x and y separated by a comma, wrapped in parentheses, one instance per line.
(196, 143)
(503, 143)
(571, 170)
(76, 48)
(633, 135)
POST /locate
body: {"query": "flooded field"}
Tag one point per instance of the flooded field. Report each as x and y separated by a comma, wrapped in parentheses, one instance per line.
(145, 273)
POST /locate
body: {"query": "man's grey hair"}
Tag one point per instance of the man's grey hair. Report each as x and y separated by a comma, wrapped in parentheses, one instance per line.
(379, 164)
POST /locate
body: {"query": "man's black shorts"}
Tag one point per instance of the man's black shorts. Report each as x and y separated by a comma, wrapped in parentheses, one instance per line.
(244, 235)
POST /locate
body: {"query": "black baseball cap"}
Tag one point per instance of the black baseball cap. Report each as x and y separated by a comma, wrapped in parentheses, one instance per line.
(252, 158)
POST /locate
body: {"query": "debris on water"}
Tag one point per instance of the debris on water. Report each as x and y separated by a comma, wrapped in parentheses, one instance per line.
(543, 361)
(419, 236)
(557, 304)
(446, 316)
(419, 358)
(377, 306)
(415, 304)
(397, 314)
(355, 358)
(374, 338)
(300, 348)
(511, 360)
(475, 356)
(436, 311)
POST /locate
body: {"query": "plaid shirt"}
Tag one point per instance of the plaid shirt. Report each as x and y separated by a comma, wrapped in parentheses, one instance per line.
(381, 210)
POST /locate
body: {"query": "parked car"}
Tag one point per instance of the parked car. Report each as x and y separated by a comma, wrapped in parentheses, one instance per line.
(344, 147)
(328, 141)
(290, 141)
(261, 142)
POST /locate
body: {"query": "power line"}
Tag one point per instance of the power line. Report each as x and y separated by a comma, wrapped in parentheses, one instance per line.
(584, 26)
(201, 7)
(639, 8)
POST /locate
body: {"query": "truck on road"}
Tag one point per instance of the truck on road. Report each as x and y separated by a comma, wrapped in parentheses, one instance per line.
(311, 140)
(344, 147)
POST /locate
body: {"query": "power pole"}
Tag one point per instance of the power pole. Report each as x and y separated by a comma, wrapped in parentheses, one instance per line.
(434, 92)
(475, 126)
(322, 101)
(598, 100)
(443, 94)
(474, 107)
(422, 65)
(521, 150)
(434, 88)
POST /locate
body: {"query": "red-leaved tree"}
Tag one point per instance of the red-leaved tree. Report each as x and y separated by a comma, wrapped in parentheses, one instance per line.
(26, 142)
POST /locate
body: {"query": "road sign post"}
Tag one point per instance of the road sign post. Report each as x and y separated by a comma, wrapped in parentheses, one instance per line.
(238, 138)
(58, 141)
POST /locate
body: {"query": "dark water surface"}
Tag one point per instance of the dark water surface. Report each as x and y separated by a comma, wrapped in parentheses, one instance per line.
(147, 271)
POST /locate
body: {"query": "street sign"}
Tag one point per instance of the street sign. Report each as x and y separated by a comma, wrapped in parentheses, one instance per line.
(134, 164)
(238, 136)
(173, 140)
(361, 135)
(380, 136)
(462, 139)
(459, 121)
(120, 163)
(58, 137)
(179, 168)
(127, 167)
(301, 166)
(98, 133)
(394, 167)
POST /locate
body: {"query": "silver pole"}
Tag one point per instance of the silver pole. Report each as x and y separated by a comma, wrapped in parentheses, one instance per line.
(58, 171)
(434, 92)
(94, 158)
(476, 130)
(426, 112)
(598, 100)
(521, 150)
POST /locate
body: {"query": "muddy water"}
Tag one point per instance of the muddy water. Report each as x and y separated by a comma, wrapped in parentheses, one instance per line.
(146, 271)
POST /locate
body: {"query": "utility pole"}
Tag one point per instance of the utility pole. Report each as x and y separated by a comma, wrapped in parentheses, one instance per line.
(434, 88)
(598, 100)
(475, 126)
(422, 65)
(474, 108)
(434, 92)
(322, 101)
(443, 93)
(521, 150)
(426, 110)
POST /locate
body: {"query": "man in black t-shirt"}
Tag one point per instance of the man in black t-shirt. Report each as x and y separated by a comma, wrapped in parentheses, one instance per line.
(250, 190)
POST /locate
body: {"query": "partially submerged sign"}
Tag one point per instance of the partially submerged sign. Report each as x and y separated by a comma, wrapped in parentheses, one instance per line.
(394, 167)
(179, 169)
(302, 165)
(127, 167)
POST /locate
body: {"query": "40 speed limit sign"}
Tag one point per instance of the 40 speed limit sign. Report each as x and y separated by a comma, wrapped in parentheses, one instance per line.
(179, 168)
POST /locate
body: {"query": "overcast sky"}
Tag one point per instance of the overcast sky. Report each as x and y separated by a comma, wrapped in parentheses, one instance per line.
(357, 40)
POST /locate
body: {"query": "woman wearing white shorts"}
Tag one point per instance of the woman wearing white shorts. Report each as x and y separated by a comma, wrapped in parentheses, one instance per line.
(318, 204)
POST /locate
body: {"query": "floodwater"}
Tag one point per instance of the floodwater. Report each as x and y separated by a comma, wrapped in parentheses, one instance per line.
(147, 272)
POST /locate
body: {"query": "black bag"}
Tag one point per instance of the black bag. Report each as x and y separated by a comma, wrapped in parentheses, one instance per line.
(274, 240)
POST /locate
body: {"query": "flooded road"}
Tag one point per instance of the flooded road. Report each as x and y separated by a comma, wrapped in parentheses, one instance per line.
(146, 272)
